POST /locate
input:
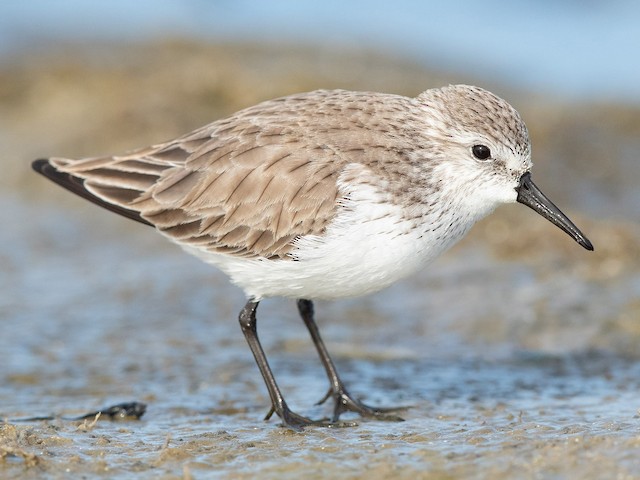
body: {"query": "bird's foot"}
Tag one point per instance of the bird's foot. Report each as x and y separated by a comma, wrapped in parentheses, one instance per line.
(297, 422)
(344, 402)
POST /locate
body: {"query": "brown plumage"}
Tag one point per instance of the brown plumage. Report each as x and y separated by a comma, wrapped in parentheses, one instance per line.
(361, 188)
(249, 184)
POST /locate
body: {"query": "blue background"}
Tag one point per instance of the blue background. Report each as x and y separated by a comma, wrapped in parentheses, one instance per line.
(573, 49)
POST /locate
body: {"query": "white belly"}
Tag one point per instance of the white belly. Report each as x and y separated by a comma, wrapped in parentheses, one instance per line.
(369, 246)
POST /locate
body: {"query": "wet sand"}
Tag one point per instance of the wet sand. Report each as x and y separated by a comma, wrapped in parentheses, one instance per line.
(517, 352)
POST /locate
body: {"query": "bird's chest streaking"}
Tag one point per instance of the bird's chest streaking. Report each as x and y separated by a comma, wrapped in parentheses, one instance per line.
(371, 242)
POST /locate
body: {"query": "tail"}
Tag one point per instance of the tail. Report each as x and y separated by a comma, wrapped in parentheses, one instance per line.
(116, 196)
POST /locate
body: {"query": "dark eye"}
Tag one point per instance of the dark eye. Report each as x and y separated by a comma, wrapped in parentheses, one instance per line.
(481, 152)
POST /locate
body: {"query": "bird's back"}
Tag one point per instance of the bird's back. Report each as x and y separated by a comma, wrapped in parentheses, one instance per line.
(250, 184)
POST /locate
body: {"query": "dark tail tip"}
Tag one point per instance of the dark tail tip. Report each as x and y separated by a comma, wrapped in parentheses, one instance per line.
(40, 165)
(76, 185)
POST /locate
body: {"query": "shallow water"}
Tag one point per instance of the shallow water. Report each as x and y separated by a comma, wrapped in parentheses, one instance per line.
(516, 353)
(509, 381)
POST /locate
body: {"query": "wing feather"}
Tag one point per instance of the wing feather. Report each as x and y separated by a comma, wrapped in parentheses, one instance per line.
(248, 185)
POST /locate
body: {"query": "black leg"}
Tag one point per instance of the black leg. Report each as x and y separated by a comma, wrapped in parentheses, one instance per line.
(290, 419)
(344, 402)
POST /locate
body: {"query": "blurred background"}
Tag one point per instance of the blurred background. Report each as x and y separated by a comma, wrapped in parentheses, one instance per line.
(580, 50)
(516, 345)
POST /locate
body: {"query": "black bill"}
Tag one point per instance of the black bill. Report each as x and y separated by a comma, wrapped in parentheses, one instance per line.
(532, 197)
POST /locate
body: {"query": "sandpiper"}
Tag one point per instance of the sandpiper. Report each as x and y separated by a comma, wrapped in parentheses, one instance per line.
(323, 195)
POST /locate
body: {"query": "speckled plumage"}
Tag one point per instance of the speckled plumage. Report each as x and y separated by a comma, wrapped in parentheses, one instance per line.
(253, 183)
(325, 194)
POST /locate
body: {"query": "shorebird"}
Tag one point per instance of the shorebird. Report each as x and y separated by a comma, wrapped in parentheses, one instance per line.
(323, 195)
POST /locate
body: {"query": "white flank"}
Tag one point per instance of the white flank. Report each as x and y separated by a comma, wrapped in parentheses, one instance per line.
(369, 245)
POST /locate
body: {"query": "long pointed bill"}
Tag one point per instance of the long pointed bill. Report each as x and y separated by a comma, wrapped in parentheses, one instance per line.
(532, 197)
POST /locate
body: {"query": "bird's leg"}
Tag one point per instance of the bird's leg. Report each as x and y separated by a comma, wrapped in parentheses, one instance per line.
(344, 402)
(289, 419)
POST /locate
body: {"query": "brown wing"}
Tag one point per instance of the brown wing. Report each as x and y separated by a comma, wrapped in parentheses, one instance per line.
(250, 184)
(230, 188)
(76, 185)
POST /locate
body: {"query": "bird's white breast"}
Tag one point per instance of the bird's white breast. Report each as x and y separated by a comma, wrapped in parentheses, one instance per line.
(369, 245)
